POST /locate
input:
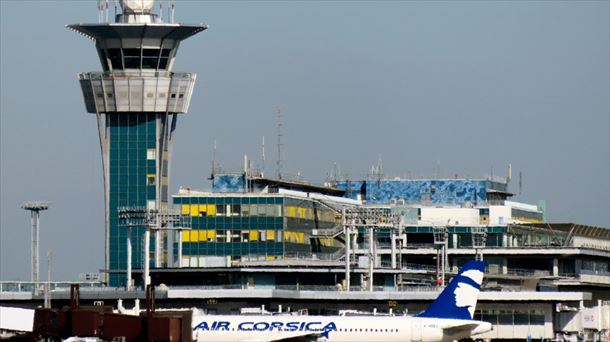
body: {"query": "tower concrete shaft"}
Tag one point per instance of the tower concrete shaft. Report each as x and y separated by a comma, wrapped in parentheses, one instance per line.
(136, 100)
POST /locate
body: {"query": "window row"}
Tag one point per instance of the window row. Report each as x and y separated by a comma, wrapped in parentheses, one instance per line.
(311, 214)
(203, 210)
(511, 317)
(251, 235)
(136, 58)
(231, 235)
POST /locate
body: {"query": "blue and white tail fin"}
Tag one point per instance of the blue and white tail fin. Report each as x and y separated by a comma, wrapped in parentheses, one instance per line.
(459, 299)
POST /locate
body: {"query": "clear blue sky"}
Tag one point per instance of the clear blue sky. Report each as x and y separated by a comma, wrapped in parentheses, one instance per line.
(464, 86)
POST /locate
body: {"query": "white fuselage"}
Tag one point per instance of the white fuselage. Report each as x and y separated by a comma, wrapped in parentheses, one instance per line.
(332, 328)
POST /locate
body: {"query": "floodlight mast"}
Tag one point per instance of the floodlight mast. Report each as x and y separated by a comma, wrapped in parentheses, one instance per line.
(35, 207)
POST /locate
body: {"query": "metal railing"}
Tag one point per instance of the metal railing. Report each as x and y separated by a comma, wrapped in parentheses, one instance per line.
(98, 75)
(28, 286)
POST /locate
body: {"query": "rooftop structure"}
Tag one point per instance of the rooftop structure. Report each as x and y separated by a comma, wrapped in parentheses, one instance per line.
(136, 100)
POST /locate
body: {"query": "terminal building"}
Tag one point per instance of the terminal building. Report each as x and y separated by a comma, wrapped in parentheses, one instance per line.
(378, 245)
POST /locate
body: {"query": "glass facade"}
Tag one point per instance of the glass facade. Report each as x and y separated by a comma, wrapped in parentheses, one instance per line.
(132, 182)
(270, 226)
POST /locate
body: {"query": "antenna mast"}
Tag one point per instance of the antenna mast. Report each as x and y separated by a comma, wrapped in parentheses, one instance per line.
(172, 9)
(520, 182)
(279, 143)
(263, 158)
(214, 160)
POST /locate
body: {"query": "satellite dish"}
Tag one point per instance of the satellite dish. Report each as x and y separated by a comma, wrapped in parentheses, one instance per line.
(137, 6)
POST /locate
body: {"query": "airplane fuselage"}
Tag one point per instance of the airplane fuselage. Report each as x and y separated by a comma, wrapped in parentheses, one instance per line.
(331, 328)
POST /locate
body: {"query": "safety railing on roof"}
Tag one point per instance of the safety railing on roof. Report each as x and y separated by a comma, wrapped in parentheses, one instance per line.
(28, 286)
(98, 75)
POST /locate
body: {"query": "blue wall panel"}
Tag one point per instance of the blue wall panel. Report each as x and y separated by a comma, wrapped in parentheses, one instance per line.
(457, 191)
(228, 183)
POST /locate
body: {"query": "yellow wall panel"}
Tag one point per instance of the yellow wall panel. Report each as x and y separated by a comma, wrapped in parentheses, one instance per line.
(186, 237)
(203, 235)
(211, 210)
(186, 209)
(271, 235)
(253, 235)
(194, 210)
(194, 235)
(211, 234)
(202, 208)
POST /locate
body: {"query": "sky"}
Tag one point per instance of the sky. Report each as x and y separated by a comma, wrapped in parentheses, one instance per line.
(430, 88)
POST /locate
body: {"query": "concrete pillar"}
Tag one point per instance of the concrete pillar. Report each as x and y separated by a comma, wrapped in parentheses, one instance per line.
(347, 256)
(180, 248)
(371, 257)
(555, 267)
(158, 251)
(504, 265)
(129, 281)
(393, 255)
(146, 274)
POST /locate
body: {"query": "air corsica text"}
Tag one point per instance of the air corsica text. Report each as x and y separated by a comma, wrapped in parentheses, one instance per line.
(267, 326)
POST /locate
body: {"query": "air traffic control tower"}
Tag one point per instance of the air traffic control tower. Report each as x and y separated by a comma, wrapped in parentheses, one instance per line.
(136, 100)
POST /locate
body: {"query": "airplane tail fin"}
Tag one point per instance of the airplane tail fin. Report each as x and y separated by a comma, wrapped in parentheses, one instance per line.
(459, 299)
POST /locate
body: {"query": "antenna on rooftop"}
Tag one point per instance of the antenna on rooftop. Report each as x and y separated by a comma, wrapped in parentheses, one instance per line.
(172, 8)
(520, 182)
(279, 143)
(213, 160)
(263, 158)
(377, 170)
(334, 173)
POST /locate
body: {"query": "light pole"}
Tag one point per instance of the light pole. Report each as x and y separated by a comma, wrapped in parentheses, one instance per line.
(164, 219)
(35, 207)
